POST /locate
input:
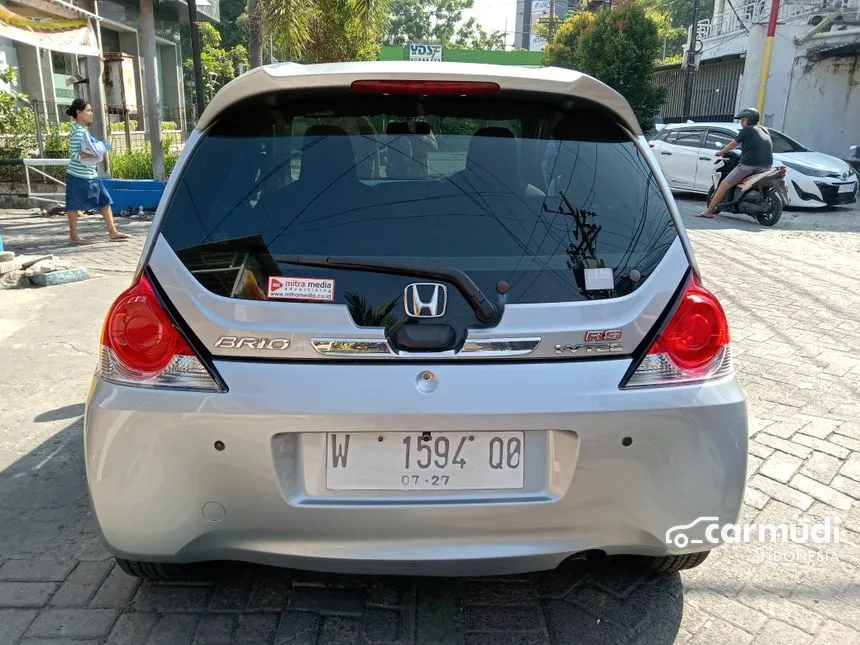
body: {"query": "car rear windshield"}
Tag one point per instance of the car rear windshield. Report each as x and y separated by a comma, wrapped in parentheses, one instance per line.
(521, 190)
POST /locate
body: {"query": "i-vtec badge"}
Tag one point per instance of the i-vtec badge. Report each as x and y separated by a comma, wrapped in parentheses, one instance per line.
(250, 342)
(590, 348)
(596, 342)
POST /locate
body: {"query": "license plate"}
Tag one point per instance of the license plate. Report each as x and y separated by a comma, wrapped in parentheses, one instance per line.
(409, 461)
(846, 188)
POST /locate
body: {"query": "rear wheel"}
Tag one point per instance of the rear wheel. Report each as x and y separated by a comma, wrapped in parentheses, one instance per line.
(772, 215)
(670, 563)
(155, 571)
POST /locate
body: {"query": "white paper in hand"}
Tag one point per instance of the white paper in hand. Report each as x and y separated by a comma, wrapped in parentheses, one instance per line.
(92, 146)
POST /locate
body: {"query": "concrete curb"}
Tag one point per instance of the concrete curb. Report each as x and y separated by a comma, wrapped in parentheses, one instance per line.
(63, 276)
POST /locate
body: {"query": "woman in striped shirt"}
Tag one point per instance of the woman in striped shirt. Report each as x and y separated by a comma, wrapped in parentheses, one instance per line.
(84, 189)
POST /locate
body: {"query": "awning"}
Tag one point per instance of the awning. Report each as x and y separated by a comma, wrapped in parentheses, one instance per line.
(58, 30)
(844, 50)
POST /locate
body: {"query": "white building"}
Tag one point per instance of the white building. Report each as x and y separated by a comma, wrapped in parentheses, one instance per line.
(531, 13)
(813, 88)
(47, 64)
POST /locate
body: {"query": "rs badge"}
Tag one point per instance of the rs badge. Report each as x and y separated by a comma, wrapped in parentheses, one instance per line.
(599, 336)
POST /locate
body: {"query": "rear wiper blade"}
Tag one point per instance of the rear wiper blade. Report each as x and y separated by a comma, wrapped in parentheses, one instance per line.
(484, 309)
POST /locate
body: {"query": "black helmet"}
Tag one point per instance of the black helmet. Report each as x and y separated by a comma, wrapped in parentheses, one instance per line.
(750, 114)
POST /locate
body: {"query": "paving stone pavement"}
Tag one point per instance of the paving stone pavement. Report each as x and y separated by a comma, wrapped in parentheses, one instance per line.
(31, 233)
(792, 295)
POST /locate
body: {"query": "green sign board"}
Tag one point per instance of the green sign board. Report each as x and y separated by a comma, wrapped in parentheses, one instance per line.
(449, 54)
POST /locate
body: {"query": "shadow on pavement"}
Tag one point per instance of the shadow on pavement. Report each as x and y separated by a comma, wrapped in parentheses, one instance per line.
(67, 412)
(44, 509)
(45, 515)
(29, 233)
(834, 219)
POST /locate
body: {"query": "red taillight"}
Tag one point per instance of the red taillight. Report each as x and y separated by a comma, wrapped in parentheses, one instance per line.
(693, 346)
(421, 88)
(696, 333)
(142, 347)
(140, 332)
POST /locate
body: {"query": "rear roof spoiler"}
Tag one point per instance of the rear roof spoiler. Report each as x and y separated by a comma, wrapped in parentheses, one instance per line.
(287, 76)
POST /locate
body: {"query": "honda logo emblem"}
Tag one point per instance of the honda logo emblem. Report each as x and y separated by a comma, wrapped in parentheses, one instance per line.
(425, 299)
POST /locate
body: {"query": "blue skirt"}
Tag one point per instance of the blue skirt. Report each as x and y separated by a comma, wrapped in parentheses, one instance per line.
(86, 194)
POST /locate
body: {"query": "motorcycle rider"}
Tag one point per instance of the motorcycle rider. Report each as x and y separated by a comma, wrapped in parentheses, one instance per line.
(756, 155)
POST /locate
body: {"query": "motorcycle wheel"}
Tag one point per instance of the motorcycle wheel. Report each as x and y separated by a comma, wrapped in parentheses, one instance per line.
(771, 217)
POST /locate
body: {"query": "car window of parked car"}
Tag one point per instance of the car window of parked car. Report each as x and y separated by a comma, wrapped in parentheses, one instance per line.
(717, 139)
(782, 143)
(689, 138)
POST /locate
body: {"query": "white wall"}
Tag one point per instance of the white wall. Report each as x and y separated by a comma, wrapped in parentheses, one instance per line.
(28, 75)
(780, 70)
(823, 106)
(724, 45)
(816, 103)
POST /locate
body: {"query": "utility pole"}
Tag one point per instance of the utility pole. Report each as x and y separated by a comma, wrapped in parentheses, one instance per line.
(552, 19)
(96, 87)
(768, 53)
(153, 105)
(691, 57)
(195, 57)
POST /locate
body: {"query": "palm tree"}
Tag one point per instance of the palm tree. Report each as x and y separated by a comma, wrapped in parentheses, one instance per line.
(324, 30)
(255, 34)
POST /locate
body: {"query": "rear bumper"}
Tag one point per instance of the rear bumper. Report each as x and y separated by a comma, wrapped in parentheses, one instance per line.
(161, 492)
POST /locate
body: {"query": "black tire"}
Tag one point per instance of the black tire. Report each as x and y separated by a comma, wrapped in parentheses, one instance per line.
(155, 571)
(671, 563)
(772, 216)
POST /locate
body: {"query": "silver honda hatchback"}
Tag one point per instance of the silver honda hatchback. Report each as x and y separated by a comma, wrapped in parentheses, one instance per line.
(415, 318)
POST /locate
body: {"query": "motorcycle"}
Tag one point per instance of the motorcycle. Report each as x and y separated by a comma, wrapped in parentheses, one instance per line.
(854, 160)
(762, 195)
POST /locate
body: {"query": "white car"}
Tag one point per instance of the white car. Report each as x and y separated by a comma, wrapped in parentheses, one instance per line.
(686, 152)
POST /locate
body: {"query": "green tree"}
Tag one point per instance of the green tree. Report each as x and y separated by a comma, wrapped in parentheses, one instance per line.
(565, 49)
(318, 31)
(672, 18)
(17, 120)
(682, 12)
(336, 33)
(219, 65)
(670, 36)
(416, 20)
(617, 46)
(471, 35)
(232, 31)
